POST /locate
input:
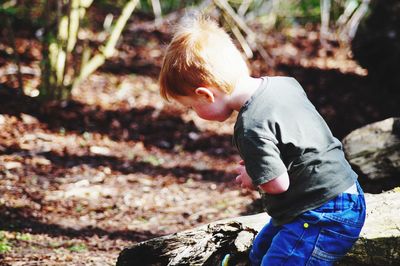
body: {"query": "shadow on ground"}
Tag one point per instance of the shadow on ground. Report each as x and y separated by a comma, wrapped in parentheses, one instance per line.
(60, 163)
(153, 128)
(21, 220)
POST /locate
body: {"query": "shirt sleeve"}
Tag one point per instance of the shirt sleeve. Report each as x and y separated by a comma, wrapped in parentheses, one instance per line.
(262, 159)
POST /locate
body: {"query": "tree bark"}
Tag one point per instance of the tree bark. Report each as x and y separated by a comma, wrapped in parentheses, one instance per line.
(379, 243)
(204, 245)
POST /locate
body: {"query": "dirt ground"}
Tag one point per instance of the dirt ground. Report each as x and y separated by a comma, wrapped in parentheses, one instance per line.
(82, 179)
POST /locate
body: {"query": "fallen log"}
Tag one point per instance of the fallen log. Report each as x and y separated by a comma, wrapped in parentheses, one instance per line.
(209, 244)
(379, 243)
(204, 245)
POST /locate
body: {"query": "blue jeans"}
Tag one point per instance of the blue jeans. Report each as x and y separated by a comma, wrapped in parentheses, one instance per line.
(316, 237)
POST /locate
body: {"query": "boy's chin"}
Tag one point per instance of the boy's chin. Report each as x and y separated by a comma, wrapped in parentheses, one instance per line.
(216, 119)
(227, 116)
(222, 119)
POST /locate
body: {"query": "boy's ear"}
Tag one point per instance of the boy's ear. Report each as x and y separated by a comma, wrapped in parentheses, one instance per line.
(207, 93)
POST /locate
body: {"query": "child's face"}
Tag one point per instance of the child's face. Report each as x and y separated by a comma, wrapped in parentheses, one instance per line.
(216, 110)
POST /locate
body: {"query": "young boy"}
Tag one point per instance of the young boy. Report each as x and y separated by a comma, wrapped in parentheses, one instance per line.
(316, 206)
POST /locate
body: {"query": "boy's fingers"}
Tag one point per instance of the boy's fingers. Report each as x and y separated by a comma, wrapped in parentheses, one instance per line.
(238, 179)
(239, 170)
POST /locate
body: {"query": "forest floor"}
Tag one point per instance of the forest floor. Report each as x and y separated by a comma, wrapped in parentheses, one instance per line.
(82, 179)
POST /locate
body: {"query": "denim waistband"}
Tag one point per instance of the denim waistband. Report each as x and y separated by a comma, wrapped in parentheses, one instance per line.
(352, 190)
(344, 201)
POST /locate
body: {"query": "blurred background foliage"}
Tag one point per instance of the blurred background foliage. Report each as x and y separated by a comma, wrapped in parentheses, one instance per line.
(64, 59)
(288, 12)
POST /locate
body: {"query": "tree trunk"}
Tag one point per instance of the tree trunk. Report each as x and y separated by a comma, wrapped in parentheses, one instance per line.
(376, 45)
(379, 243)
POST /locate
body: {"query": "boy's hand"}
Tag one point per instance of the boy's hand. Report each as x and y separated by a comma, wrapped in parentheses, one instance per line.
(243, 178)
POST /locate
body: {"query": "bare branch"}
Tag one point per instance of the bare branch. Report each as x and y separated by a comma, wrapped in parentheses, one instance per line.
(157, 11)
(108, 51)
(355, 20)
(325, 17)
(350, 19)
(16, 55)
(251, 36)
(239, 36)
(348, 11)
(244, 6)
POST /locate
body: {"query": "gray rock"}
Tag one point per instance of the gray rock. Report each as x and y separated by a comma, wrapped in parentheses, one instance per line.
(374, 152)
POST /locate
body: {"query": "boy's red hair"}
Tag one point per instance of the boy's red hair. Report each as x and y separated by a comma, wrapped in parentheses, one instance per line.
(201, 54)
